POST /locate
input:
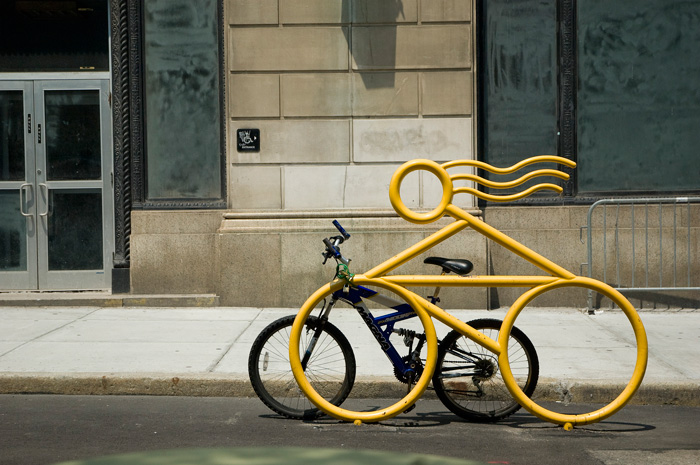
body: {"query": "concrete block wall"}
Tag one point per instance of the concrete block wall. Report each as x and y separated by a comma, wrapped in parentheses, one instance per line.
(343, 92)
(175, 252)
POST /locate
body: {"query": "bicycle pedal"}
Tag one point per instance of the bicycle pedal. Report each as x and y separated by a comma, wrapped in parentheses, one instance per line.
(410, 408)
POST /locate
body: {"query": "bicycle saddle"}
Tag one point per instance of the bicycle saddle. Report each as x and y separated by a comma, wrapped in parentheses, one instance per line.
(456, 265)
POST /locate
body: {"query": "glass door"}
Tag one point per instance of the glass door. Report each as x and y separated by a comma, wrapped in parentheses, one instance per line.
(18, 247)
(65, 196)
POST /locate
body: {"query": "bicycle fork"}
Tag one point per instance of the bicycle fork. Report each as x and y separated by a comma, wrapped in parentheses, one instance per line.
(322, 319)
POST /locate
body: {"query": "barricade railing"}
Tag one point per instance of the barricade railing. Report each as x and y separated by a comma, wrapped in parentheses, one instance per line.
(651, 248)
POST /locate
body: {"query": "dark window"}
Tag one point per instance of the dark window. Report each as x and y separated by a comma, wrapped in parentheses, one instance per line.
(54, 35)
(623, 94)
(518, 82)
(639, 95)
(183, 100)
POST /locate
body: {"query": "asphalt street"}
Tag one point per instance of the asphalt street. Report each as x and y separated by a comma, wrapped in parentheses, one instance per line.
(43, 429)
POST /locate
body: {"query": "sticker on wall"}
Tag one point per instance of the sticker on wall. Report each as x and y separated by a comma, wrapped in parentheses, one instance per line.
(249, 140)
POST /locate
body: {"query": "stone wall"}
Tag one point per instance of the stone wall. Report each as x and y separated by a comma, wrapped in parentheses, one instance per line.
(273, 262)
(344, 91)
(269, 261)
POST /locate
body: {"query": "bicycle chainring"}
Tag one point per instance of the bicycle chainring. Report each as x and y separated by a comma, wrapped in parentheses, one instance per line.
(403, 376)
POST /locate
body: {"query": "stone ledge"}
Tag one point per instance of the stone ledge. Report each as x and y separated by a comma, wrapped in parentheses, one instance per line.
(321, 221)
(92, 299)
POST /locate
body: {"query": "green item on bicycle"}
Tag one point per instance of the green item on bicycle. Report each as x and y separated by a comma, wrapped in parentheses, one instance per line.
(342, 271)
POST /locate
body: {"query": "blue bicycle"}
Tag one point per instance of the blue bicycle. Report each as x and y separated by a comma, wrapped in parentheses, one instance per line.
(466, 378)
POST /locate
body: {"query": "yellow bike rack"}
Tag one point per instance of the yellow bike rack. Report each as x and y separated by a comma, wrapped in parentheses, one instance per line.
(558, 277)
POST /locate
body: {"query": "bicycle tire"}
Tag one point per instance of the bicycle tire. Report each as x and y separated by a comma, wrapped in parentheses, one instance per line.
(480, 395)
(271, 375)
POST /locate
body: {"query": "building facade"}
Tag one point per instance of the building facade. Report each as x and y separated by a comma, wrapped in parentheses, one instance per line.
(204, 147)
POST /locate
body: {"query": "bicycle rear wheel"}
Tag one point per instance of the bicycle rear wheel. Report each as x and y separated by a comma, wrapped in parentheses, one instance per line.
(467, 378)
(331, 368)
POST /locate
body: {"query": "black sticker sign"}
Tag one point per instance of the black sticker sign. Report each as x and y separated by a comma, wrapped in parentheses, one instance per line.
(248, 140)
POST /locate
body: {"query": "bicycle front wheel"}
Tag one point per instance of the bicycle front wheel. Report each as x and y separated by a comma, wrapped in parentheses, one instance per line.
(331, 368)
(467, 378)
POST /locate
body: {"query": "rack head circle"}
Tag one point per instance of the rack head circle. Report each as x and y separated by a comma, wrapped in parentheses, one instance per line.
(395, 191)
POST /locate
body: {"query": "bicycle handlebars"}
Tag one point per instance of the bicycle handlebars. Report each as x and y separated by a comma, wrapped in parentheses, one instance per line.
(332, 243)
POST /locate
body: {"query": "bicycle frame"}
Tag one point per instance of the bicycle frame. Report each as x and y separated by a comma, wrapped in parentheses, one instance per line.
(382, 326)
(557, 277)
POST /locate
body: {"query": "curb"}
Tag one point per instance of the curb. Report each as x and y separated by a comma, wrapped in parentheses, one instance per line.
(685, 394)
(126, 384)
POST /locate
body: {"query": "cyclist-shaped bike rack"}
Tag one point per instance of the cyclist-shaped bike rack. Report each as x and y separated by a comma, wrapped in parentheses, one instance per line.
(558, 278)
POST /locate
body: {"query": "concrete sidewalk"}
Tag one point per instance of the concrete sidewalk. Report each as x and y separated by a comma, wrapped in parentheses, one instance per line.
(204, 351)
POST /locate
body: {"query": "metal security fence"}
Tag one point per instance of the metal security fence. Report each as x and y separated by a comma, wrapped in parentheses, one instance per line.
(645, 244)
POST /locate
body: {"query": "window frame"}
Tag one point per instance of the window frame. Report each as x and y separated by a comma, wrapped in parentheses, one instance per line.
(134, 22)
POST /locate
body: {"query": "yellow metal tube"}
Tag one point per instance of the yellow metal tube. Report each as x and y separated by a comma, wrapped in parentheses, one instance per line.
(444, 317)
(514, 168)
(559, 277)
(622, 398)
(510, 197)
(508, 184)
(395, 191)
(339, 412)
(469, 281)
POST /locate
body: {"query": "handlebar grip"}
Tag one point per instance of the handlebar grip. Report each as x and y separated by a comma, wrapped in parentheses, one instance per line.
(331, 248)
(345, 234)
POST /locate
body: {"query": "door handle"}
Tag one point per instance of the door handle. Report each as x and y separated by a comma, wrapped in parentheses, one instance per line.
(21, 199)
(46, 192)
